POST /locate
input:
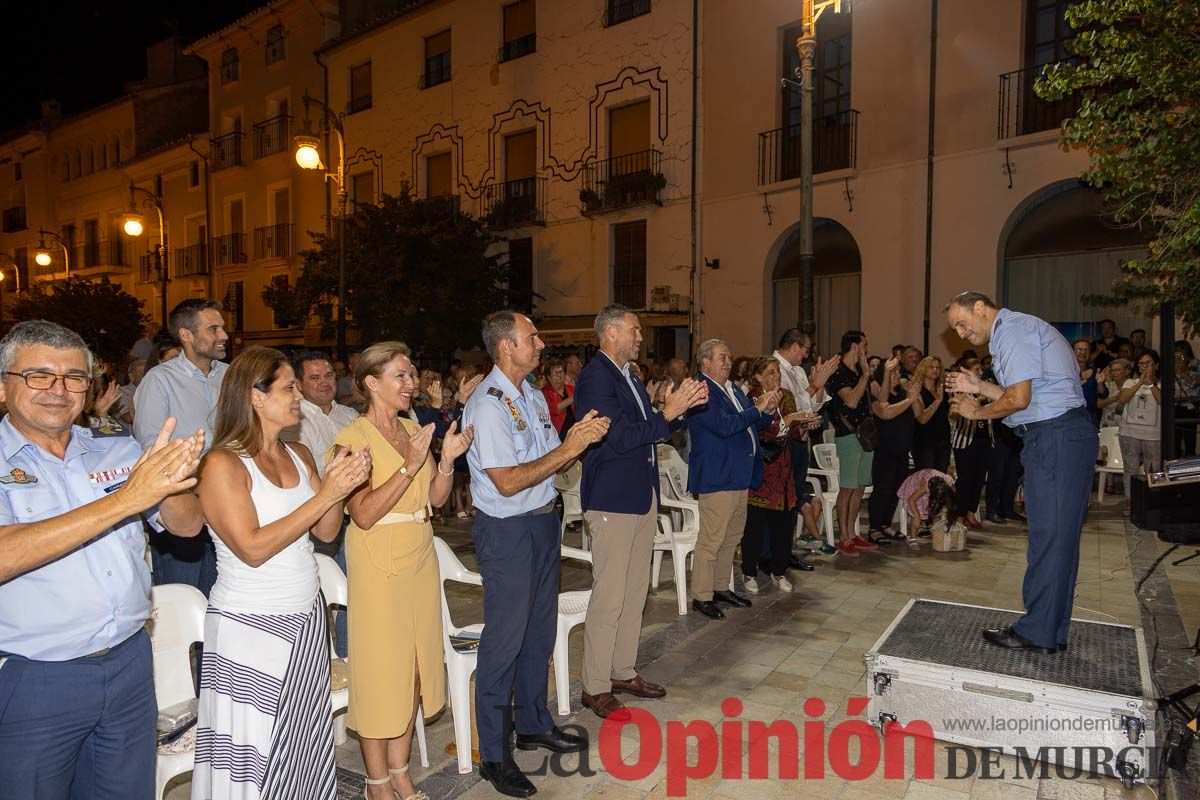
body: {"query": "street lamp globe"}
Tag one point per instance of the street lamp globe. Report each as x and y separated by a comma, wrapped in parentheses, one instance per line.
(132, 224)
(308, 156)
(42, 257)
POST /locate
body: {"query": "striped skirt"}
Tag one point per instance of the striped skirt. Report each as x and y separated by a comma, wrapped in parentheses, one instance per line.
(265, 728)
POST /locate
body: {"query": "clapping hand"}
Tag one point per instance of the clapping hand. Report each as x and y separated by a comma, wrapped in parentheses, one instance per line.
(434, 390)
(587, 431)
(965, 405)
(164, 469)
(891, 364)
(467, 388)
(418, 448)
(768, 401)
(963, 381)
(691, 393)
(823, 370)
(106, 401)
(455, 444)
(344, 473)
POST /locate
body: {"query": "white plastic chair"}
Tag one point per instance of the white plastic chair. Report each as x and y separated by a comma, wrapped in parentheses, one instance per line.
(337, 597)
(828, 467)
(568, 486)
(1112, 461)
(668, 456)
(572, 611)
(459, 666)
(178, 624)
(680, 544)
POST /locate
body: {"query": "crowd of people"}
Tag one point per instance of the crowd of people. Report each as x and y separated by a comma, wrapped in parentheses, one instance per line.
(236, 473)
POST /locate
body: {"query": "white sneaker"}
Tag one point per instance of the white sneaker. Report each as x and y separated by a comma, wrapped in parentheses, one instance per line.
(782, 584)
(750, 585)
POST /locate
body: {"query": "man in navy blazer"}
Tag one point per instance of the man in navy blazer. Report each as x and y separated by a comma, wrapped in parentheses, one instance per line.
(724, 462)
(620, 503)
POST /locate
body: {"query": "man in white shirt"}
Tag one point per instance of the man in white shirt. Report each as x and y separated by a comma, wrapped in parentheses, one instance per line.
(322, 417)
(794, 347)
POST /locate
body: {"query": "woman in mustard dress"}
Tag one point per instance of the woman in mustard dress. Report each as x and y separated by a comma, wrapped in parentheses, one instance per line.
(395, 642)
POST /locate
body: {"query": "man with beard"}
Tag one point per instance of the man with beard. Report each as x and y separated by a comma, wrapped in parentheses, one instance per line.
(186, 388)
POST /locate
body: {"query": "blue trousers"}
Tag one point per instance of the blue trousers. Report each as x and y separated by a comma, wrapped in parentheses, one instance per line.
(519, 561)
(81, 729)
(1059, 457)
(179, 559)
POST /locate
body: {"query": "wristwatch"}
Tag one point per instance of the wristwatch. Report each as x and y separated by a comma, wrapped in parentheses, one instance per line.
(404, 471)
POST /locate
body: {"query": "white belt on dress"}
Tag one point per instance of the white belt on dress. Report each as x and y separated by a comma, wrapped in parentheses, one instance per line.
(392, 518)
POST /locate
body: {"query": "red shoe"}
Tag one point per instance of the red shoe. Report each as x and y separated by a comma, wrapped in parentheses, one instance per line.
(848, 549)
(862, 544)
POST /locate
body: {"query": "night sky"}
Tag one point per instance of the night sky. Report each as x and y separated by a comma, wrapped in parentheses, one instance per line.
(83, 52)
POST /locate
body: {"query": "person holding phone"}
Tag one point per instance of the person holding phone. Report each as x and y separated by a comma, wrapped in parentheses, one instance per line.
(1139, 428)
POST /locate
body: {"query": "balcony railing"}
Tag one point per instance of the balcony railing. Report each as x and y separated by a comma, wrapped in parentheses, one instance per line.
(1022, 112)
(514, 203)
(191, 260)
(446, 205)
(835, 146)
(229, 249)
(148, 267)
(14, 219)
(226, 151)
(622, 181)
(521, 46)
(272, 136)
(273, 241)
(619, 11)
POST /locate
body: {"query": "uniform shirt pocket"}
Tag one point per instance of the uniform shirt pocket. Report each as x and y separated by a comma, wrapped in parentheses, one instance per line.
(34, 503)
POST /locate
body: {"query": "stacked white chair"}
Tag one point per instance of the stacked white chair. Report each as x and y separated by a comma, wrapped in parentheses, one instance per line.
(572, 611)
(1112, 459)
(337, 598)
(678, 529)
(568, 487)
(459, 665)
(178, 624)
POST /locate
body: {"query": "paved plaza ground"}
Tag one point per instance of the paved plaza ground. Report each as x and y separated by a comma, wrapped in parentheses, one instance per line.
(790, 647)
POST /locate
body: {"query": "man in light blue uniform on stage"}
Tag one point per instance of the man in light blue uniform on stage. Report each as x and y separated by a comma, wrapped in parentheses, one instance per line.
(1042, 402)
(77, 708)
(513, 461)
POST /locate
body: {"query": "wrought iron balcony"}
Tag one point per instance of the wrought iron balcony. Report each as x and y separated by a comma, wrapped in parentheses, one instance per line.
(14, 219)
(229, 249)
(148, 268)
(191, 260)
(619, 11)
(512, 204)
(1022, 112)
(835, 146)
(226, 151)
(521, 46)
(621, 181)
(272, 136)
(273, 241)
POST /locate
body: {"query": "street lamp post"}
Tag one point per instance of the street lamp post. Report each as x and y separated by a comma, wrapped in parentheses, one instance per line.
(134, 225)
(42, 254)
(806, 48)
(308, 156)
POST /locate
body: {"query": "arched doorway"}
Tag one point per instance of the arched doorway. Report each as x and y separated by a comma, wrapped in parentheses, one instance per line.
(1061, 245)
(837, 284)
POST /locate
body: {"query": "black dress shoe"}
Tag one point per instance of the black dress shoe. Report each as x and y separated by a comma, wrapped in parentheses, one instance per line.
(995, 519)
(1006, 637)
(731, 599)
(800, 564)
(506, 778)
(708, 608)
(1015, 517)
(556, 740)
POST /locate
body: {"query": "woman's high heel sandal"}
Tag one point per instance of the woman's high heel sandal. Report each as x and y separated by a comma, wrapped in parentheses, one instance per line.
(380, 782)
(400, 771)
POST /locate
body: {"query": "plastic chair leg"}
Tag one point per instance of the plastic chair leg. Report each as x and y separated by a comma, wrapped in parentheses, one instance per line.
(679, 558)
(562, 676)
(339, 729)
(420, 732)
(655, 568)
(460, 707)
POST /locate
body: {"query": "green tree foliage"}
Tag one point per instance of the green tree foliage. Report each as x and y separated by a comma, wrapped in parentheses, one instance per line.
(1139, 77)
(108, 318)
(415, 271)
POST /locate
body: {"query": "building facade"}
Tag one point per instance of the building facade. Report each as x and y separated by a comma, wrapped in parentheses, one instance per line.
(566, 126)
(261, 205)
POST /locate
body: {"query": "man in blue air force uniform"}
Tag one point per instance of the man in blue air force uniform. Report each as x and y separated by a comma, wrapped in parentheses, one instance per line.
(513, 461)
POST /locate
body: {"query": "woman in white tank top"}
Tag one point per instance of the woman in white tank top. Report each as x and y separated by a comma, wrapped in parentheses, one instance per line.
(265, 728)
